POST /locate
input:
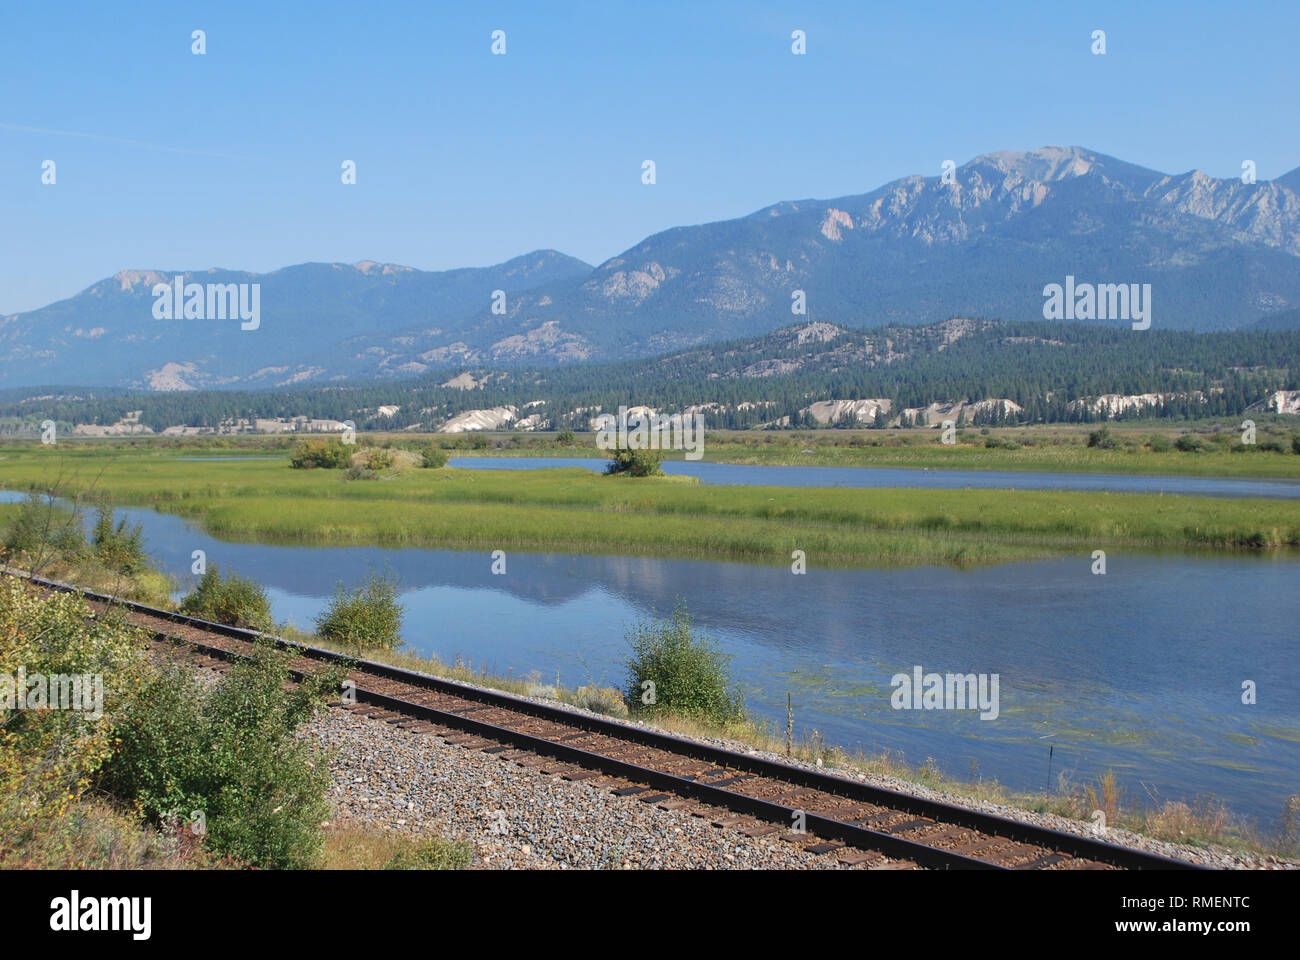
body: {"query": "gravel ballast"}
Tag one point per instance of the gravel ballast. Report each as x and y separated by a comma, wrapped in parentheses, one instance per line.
(519, 817)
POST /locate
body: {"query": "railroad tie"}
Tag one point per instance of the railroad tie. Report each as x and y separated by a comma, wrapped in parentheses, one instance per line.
(852, 857)
(1046, 860)
(676, 803)
(825, 847)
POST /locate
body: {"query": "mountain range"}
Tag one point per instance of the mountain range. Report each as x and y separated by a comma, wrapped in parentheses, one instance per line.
(983, 240)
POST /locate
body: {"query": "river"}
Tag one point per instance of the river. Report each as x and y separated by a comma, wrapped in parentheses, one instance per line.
(1139, 670)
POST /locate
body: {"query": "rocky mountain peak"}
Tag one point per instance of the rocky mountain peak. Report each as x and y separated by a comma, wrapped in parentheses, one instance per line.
(1044, 165)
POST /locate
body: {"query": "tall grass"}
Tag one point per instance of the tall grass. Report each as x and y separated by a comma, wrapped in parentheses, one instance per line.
(579, 510)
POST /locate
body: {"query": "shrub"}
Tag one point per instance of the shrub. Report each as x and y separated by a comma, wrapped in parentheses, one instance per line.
(42, 530)
(1295, 443)
(1160, 444)
(232, 600)
(565, 438)
(120, 547)
(1271, 446)
(378, 458)
(634, 463)
(369, 617)
(48, 758)
(601, 700)
(1189, 443)
(688, 672)
(433, 457)
(1101, 439)
(230, 752)
(358, 472)
(479, 441)
(327, 454)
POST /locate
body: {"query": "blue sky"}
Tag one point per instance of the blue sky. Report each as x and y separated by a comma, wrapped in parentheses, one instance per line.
(169, 160)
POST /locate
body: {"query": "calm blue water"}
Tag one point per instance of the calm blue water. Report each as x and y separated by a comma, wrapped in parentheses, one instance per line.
(1139, 670)
(799, 476)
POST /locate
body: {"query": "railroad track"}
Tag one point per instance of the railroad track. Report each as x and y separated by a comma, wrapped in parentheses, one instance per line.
(855, 822)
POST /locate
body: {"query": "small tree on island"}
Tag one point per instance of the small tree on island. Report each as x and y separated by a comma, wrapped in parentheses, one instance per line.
(325, 454)
(634, 463)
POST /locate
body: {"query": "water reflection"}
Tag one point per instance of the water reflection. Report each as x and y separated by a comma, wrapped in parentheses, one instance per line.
(1139, 670)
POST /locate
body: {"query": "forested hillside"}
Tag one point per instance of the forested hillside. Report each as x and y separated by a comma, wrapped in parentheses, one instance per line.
(1047, 370)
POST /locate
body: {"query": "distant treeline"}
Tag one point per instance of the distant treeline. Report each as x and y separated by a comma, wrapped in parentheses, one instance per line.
(1043, 367)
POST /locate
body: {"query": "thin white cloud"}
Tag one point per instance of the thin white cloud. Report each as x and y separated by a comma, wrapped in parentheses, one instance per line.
(134, 143)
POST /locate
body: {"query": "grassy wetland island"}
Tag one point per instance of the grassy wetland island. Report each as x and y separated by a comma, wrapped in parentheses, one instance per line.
(244, 488)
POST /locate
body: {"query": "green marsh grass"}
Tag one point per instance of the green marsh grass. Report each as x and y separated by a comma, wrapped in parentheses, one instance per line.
(578, 510)
(1056, 448)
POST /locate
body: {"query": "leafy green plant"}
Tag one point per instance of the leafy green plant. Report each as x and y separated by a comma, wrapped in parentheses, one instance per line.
(326, 454)
(688, 672)
(634, 463)
(119, 547)
(48, 757)
(369, 617)
(1101, 439)
(379, 458)
(42, 530)
(433, 457)
(230, 753)
(232, 600)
